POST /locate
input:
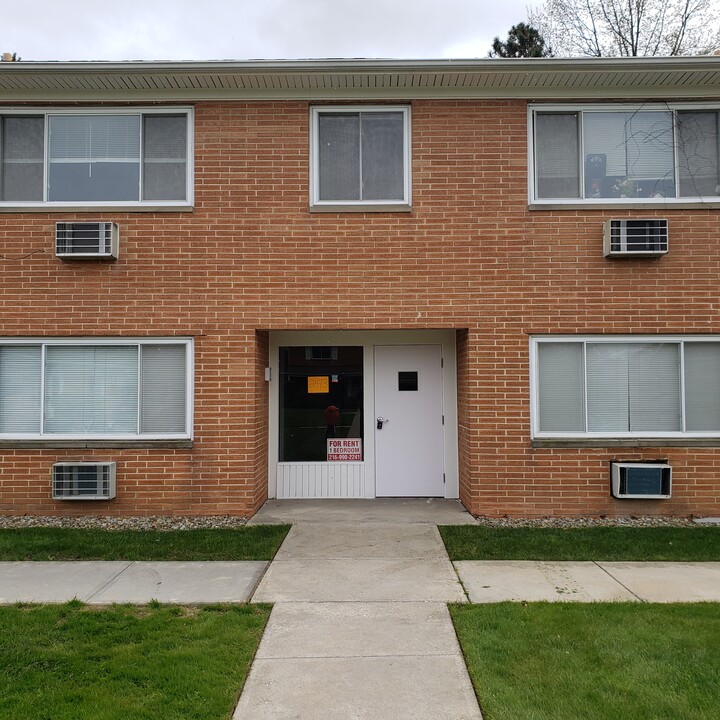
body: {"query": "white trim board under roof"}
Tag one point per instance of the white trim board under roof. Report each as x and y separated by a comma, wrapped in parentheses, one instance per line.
(536, 78)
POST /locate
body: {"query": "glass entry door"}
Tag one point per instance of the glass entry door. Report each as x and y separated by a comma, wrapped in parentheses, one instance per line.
(321, 404)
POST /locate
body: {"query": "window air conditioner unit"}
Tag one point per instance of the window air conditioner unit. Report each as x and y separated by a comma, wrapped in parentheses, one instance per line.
(83, 481)
(641, 481)
(87, 240)
(635, 238)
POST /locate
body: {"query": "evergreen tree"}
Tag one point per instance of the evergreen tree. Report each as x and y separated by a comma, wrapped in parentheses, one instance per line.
(523, 41)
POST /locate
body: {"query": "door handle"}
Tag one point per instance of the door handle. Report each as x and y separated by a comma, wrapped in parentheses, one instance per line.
(380, 422)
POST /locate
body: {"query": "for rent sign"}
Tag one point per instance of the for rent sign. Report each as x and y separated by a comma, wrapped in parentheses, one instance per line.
(344, 450)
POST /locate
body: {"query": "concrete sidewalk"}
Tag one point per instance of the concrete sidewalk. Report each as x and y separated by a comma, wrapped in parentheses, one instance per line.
(103, 583)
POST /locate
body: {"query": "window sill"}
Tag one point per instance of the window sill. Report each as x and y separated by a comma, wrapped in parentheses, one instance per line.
(79, 208)
(626, 443)
(369, 208)
(94, 444)
(616, 205)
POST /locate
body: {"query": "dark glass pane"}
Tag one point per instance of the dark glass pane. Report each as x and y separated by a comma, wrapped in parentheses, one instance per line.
(557, 165)
(698, 166)
(165, 157)
(320, 398)
(94, 181)
(339, 156)
(22, 158)
(382, 156)
(407, 381)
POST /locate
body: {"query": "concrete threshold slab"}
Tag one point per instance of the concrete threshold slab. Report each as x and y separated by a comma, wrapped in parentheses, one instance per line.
(394, 511)
(520, 580)
(668, 582)
(366, 580)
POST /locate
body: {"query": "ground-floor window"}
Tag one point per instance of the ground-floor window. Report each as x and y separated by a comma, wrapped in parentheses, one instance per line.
(95, 388)
(626, 386)
(321, 402)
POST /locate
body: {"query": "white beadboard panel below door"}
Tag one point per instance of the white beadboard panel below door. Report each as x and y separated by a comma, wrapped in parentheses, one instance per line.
(321, 480)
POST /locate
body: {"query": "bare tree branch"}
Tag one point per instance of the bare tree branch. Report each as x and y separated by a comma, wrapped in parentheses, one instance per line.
(627, 28)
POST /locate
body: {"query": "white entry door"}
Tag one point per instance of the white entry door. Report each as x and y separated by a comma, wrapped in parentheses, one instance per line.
(409, 422)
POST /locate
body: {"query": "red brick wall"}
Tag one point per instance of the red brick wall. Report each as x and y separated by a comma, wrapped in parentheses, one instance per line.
(251, 259)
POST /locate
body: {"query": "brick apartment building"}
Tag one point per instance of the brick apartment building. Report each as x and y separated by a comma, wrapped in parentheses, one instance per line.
(223, 282)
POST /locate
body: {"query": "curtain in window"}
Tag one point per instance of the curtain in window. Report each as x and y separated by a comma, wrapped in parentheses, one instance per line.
(702, 387)
(164, 157)
(94, 157)
(560, 380)
(607, 387)
(556, 155)
(22, 145)
(20, 389)
(91, 390)
(163, 389)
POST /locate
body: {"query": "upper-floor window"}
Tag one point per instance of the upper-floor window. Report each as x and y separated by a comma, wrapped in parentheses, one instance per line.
(625, 154)
(360, 158)
(81, 157)
(626, 386)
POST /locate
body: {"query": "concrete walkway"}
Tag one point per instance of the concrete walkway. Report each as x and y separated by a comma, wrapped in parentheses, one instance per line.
(360, 627)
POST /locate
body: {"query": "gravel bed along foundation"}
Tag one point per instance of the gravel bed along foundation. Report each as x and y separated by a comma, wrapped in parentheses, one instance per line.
(94, 522)
(581, 522)
(170, 522)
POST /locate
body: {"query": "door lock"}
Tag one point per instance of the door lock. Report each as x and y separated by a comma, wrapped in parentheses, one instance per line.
(380, 422)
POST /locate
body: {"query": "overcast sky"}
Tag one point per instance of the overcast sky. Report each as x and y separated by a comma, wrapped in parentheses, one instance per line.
(246, 29)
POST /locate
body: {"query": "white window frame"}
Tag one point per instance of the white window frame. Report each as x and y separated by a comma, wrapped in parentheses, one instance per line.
(44, 343)
(680, 340)
(359, 205)
(535, 108)
(48, 205)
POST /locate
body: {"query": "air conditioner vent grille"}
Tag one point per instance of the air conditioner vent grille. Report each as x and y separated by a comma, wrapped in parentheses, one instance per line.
(635, 237)
(83, 481)
(641, 481)
(86, 240)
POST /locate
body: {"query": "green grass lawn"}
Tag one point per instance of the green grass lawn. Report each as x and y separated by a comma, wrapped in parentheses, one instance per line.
(680, 544)
(255, 542)
(600, 661)
(71, 662)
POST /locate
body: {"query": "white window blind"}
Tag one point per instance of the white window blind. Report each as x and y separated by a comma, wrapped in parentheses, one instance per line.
(91, 389)
(702, 386)
(639, 387)
(654, 383)
(20, 369)
(95, 137)
(607, 387)
(636, 144)
(163, 389)
(561, 404)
